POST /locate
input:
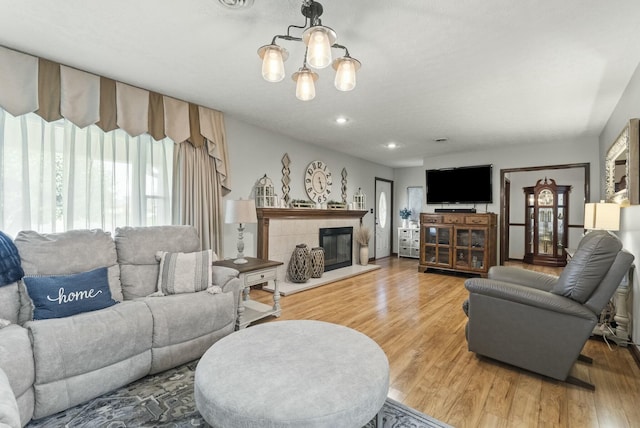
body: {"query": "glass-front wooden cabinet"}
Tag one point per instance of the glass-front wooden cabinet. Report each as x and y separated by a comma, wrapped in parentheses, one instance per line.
(546, 223)
(470, 248)
(461, 242)
(438, 246)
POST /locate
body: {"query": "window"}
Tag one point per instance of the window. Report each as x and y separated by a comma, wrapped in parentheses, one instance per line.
(414, 201)
(55, 177)
(382, 210)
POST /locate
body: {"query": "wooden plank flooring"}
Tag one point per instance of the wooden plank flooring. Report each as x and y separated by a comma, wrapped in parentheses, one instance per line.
(417, 320)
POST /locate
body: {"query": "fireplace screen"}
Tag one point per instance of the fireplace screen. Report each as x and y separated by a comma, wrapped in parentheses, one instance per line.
(338, 247)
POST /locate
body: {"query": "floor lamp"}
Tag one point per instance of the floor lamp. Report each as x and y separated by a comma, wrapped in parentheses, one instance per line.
(241, 211)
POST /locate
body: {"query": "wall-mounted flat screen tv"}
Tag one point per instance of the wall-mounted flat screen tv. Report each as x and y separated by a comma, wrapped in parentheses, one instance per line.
(462, 185)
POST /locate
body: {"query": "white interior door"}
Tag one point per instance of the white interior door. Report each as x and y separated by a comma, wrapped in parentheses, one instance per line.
(382, 212)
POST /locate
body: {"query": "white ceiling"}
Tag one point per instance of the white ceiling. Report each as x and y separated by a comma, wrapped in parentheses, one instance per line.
(490, 72)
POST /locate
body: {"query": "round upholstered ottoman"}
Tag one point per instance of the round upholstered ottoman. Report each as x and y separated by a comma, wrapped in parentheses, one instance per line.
(292, 374)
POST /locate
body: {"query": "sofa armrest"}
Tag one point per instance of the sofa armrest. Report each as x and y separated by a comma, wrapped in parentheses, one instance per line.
(221, 275)
(525, 295)
(235, 287)
(529, 278)
(9, 413)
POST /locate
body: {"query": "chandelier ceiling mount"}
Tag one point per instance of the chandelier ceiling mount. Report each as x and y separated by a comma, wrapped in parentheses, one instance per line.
(319, 41)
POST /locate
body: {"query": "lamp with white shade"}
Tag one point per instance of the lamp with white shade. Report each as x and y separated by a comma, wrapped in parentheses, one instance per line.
(602, 216)
(241, 211)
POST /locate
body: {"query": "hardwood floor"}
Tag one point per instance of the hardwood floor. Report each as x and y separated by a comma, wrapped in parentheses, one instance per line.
(417, 320)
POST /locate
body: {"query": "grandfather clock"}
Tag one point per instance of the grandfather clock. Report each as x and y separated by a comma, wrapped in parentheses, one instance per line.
(546, 224)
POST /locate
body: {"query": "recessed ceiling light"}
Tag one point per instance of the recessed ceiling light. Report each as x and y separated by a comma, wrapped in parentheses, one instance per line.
(391, 145)
(441, 139)
(341, 120)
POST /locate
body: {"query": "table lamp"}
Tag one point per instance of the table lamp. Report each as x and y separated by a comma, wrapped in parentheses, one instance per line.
(602, 216)
(240, 211)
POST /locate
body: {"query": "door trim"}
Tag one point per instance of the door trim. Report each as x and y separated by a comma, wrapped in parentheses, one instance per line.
(375, 215)
(504, 228)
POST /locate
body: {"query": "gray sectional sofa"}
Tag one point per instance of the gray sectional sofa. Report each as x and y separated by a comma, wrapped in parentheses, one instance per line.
(53, 364)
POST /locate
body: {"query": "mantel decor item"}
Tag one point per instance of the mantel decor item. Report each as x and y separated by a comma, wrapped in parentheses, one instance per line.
(286, 179)
(318, 181)
(302, 203)
(343, 188)
(359, 200)
(299, 269)
(265, 193)
(240, 211)
(334, 205)
(319, 41)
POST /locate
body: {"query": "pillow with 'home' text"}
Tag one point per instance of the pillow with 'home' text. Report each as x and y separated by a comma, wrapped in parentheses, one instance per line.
(58, 296)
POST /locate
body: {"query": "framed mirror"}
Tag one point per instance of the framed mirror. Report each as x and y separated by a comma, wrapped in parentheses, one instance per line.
(622, 176)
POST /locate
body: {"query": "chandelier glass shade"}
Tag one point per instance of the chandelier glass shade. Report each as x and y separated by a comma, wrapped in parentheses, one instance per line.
(346, 68)
(273, 57)
(319, 41)
(305, 84)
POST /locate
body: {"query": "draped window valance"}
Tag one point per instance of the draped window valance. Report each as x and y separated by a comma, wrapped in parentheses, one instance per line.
(53, 91)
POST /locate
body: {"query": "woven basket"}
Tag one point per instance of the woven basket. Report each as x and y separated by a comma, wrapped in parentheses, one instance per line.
(317, 262)
(299, 269)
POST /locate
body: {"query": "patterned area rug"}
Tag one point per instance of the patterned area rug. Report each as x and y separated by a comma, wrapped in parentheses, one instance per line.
(166, 400)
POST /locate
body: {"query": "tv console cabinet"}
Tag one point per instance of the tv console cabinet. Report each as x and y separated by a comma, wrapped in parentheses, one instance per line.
(458, 242)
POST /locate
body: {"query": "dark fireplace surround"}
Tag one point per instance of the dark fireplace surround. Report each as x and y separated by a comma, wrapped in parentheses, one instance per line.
(337, 243)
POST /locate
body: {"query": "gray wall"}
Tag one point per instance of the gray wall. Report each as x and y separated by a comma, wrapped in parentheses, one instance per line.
(517, 156)
(254, 152)
(628, 108)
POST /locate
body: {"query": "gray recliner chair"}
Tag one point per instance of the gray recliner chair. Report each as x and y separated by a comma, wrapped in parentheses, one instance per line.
(541, 322)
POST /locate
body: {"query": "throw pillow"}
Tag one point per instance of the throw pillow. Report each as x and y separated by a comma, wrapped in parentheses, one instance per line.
(184, 272)
(10, 266)
(58, 296)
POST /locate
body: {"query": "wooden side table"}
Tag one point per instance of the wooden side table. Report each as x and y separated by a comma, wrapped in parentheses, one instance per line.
(254, 272)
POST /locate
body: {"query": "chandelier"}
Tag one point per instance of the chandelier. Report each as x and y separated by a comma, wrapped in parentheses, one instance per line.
(319, 41)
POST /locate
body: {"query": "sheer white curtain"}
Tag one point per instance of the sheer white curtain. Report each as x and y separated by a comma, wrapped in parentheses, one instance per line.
(56, 176)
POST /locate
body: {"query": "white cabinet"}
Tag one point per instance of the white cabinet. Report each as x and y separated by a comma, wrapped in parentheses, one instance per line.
(409, 242)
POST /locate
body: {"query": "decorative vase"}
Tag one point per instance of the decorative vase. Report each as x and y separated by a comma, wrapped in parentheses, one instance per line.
(405, 223)
(364, 255)
(317, 262)
(299, 269)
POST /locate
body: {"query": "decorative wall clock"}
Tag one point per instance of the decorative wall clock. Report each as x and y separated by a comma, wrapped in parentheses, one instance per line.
(317, 181)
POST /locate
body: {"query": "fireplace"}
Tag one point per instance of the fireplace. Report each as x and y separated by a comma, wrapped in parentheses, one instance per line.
(338, 247)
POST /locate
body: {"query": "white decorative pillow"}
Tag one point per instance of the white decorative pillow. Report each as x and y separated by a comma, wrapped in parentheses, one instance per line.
(184, 272)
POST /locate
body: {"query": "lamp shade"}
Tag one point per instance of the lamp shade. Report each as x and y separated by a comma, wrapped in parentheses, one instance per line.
(319, 40)
(602, 216)
(273, 57)
(240, 211)
(346, 68)
(305, 84)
